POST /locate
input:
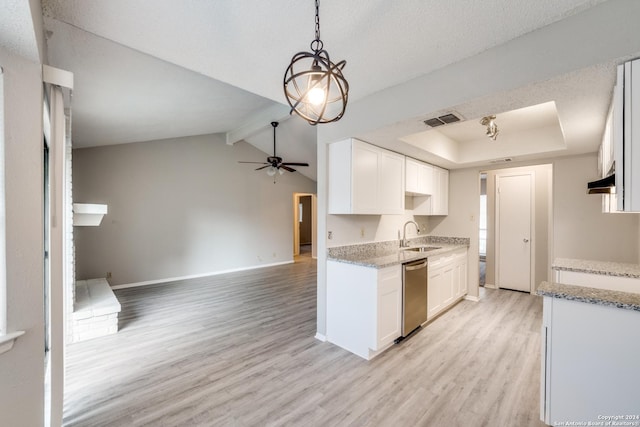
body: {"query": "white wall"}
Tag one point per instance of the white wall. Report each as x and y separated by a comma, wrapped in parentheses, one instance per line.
(581, 229)
(22, 368)
(182, 207)
(352, 229)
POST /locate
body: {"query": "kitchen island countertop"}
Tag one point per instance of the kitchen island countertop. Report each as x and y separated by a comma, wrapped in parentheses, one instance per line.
(606, 268)
(618, 299)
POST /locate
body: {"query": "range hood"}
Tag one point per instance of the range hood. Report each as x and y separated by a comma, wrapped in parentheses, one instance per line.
(602, 186)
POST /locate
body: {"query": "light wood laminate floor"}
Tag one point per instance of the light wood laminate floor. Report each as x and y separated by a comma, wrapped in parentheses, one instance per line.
(239, 350)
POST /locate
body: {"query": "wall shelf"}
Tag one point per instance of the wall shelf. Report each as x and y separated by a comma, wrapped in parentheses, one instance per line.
(85, 214)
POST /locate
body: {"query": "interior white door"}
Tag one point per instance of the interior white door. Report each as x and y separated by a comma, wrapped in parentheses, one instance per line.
(514, 232)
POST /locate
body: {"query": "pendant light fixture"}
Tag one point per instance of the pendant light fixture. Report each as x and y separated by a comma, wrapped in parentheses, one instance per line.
(314, 86)
(492, 127)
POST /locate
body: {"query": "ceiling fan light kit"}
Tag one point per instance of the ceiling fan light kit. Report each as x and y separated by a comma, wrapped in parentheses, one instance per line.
(314, 86)
(274, 163)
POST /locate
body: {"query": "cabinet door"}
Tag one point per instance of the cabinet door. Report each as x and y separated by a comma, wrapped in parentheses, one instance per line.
(447, 291)
(390, 183)
(434, 290)
(440, 198)
(389, 311)
(443, 183)
(425, 177)
(411, 176)
(365, 171)
(460, 276)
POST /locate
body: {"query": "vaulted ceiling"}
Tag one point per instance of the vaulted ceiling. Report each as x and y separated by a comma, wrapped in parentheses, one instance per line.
(153, 69)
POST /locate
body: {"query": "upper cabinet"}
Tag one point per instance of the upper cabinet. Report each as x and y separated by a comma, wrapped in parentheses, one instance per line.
(440, 198)
(418, 178)
(364, 179)
(620, 149)
(626, 136)
(429, 187)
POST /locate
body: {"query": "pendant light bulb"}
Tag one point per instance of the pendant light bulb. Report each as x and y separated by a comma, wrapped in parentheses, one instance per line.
(316, 92)
(271, 171)
(316, 96)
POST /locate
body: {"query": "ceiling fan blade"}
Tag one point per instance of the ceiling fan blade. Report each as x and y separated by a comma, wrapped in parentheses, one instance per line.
(258, 163)
(262, 167)
(287, 168)
(295, 164)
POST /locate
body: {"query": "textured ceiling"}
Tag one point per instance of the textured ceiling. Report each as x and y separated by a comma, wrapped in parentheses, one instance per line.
(249, 43)
(218, 64)
(17, 31)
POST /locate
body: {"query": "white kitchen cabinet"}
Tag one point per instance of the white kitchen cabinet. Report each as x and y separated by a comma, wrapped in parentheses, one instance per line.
(590, 366)
(436, 202)
(364, 307)
(389, 306)
(623, 133)
(447, 281)
(440, 198)
(460, 274)
(364, 179)
(419, 178)
(411, 184)
(435, 284)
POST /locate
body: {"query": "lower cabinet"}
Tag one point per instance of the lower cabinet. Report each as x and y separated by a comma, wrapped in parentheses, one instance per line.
(364, 307)
(447, 281)
(590, 366)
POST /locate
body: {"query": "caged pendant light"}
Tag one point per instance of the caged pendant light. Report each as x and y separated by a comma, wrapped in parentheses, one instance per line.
(314, 86)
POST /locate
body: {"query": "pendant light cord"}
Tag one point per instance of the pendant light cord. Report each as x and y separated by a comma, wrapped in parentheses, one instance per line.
(317, 44)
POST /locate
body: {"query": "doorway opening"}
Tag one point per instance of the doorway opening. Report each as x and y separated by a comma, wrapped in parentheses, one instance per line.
(304, 225)
(515, 229)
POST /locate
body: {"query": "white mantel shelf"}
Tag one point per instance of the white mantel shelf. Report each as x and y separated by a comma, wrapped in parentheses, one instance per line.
(86, 214)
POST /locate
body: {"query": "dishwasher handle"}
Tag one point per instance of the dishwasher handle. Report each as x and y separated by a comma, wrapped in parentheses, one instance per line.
(411, 267)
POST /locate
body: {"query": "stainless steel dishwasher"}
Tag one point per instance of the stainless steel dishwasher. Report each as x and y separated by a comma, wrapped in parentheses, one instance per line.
(414, 295)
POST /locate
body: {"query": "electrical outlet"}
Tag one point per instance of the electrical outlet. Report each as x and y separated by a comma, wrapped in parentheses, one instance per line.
(361, 231)
(330, 235)
(108, 275)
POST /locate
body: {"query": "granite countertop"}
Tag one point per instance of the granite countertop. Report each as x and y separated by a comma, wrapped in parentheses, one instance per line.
(381, 255)
(624, 300)
(606, 268)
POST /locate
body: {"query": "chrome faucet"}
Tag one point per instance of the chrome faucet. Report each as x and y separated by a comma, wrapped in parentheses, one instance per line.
(403, 242)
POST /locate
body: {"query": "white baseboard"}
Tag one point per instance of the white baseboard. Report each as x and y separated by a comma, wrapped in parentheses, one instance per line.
(490, 286)
(321, 337)
(472, 298)
(196, 276)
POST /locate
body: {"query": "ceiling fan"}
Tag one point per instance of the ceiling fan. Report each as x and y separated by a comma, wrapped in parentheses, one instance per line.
(275, 163)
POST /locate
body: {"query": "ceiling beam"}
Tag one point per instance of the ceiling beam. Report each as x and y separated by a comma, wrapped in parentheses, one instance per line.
(257, 122)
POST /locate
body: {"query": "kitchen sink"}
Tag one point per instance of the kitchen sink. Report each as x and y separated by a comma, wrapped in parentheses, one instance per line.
(422, 248)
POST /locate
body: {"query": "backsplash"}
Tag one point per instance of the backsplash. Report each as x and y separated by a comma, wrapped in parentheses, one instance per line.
(375, 249)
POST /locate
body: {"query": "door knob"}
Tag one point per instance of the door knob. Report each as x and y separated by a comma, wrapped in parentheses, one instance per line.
(525, 240)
